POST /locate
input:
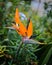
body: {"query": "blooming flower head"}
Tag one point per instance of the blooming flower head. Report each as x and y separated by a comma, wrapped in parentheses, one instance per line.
(20, 28)
(25, 32)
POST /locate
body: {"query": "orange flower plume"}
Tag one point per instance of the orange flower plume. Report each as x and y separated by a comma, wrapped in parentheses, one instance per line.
(20, 28)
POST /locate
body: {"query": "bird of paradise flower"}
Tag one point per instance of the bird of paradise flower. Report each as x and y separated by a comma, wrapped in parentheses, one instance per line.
(25, 32)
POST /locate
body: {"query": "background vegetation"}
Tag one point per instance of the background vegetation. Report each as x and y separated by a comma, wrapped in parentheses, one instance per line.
(28, 54)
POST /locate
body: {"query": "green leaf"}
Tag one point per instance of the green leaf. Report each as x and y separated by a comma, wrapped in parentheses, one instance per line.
(46, 55)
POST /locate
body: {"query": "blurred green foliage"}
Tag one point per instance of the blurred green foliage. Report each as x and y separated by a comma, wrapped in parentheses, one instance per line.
(10, 40)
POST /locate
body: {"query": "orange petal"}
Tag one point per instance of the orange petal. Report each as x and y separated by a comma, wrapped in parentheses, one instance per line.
(17, 16)
(29, 30)
(21, 26)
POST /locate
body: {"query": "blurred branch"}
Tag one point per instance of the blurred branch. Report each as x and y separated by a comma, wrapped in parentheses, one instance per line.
(2, 3)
